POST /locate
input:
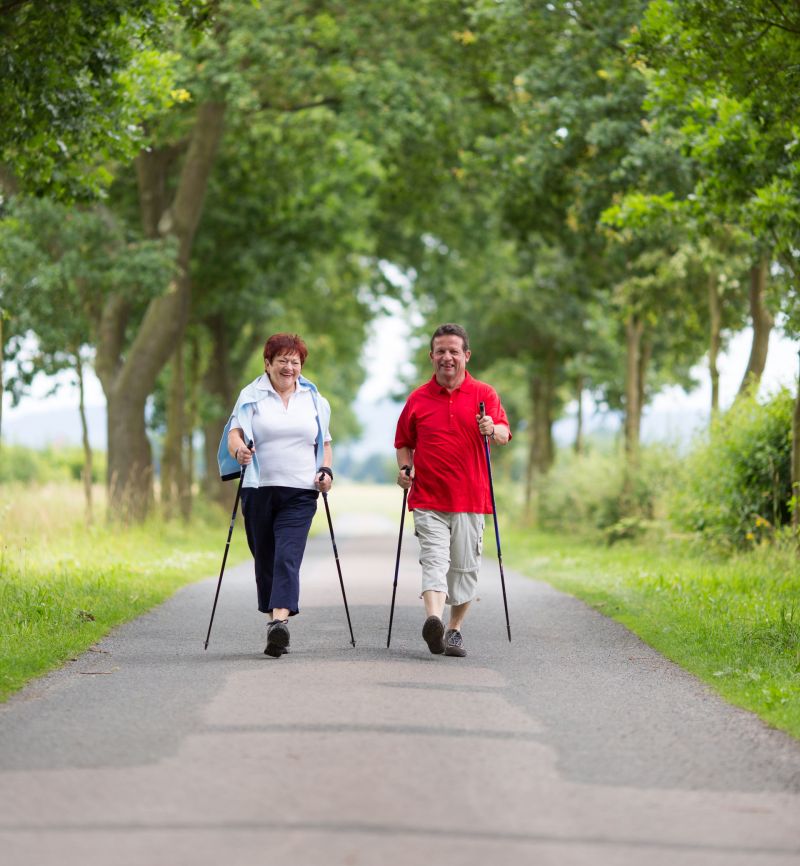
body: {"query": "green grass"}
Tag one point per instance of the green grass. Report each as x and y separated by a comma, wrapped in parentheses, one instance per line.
(734, 622)
(64, 585)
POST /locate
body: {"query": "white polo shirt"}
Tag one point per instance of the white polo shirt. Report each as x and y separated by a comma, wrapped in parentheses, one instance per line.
(285, 437)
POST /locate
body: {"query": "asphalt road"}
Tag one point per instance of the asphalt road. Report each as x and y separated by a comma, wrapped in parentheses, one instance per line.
(574, 744)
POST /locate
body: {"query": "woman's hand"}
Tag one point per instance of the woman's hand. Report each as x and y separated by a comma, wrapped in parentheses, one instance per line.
(324, 480)
(243, 455)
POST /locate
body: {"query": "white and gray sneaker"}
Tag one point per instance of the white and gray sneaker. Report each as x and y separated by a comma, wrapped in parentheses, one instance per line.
(454, 643)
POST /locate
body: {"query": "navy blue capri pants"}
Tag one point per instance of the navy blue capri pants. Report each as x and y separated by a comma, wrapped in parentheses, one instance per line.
(277, 521)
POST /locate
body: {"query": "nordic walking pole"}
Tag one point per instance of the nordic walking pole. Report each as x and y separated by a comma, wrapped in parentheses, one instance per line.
(227, 544)
(407, 470)
(338, 567)
(494, 516)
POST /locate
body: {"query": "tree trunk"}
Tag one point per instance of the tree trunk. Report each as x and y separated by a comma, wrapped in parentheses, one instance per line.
(634, 330)
(578, 445)
(87, 449)
(222, 381)
(541, 452)
(546, 418)
(645, 354)
(531, 487)
(130, 465)
(762, 325)
(185, 491)
(715, 338)
(172, 463)
(127, 383)
(218, 384)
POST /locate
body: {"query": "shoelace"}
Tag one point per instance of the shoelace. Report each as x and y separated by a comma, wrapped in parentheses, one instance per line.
(455, 639)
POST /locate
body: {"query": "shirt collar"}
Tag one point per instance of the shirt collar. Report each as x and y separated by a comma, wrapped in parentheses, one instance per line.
(466, 386)
(263, 383)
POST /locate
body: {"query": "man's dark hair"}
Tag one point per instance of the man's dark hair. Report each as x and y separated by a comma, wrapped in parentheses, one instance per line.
(447, 330)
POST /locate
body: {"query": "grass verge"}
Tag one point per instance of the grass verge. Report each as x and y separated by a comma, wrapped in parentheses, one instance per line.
(733, 622)
(64, 585)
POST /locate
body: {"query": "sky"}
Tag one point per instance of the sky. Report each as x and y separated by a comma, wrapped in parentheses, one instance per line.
(387, 355)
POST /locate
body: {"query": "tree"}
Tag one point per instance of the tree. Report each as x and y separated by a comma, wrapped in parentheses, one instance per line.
(735, 65)
(76, 80)
(57, 265)
(253, 66)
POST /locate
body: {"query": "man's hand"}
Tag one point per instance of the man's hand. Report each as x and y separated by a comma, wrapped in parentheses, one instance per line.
(405, 477)
(485, 424)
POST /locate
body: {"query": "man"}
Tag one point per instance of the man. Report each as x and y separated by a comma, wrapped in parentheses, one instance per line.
(440, 452)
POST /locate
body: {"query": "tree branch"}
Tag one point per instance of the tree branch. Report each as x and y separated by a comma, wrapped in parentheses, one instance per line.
(328, 100)
(586, 25)
(187, 206)
(769, 24)
(110, 338)
(781, 11)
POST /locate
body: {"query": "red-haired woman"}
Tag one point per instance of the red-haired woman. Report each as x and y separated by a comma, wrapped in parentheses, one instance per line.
(286, 418)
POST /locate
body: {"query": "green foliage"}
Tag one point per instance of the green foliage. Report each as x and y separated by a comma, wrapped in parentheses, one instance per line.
(70, 259)
(722, 78)
(46, 466)
(590, 493)
(77, 81)
(541, 173)
(735, 487)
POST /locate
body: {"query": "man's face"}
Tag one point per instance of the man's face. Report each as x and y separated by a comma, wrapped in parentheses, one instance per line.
(449, 360)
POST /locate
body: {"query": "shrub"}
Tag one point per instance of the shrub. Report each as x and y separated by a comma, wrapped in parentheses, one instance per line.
(736, 484)
(48, 465)
(588, 492)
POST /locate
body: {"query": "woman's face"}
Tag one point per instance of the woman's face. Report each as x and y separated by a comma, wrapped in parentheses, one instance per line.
(283, 370)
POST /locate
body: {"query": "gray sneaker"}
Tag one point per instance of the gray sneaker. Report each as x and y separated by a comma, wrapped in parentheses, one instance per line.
(433, 634)
(454, 643)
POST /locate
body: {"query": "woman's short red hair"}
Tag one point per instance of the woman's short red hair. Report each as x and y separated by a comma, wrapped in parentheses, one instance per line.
(285, 344)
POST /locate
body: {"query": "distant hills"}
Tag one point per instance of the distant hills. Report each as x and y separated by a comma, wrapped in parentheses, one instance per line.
(37, 428)
(61, 426)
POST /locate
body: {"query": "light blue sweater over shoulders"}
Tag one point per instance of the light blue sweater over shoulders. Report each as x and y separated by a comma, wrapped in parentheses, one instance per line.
(243, 413)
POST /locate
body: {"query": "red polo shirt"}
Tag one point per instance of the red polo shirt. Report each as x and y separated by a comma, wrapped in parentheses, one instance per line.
(449, 458)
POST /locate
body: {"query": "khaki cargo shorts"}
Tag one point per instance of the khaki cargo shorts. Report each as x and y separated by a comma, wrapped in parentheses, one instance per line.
(450, 546)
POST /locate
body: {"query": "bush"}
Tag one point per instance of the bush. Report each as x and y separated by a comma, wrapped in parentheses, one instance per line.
(588, 492)
(48, 465)
(736, 485)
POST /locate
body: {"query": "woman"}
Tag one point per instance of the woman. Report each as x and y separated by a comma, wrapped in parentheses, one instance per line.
(279, 431)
